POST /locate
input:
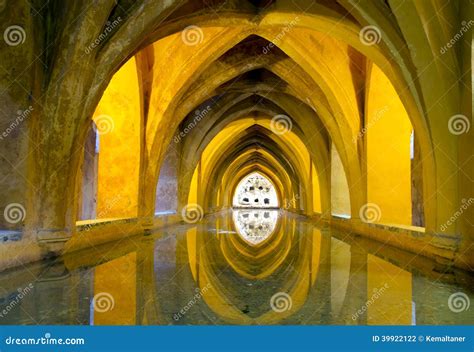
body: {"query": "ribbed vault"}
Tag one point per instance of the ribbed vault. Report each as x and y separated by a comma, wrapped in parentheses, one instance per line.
(221, 89)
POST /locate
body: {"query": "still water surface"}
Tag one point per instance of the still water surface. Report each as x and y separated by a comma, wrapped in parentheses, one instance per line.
(245, 267)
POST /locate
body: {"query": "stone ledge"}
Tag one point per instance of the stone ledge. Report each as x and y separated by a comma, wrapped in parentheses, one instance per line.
(410, 238)
(91, 233)
(87, 234)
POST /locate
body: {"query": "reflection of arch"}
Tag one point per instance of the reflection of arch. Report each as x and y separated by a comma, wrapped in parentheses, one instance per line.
(255, 191)
(255, 226)
(300, 253)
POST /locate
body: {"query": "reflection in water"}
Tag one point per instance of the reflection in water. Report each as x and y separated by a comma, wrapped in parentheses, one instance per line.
(300, 274)
(255, 226)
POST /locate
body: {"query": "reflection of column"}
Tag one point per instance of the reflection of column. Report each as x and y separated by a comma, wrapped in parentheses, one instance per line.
(316, 309)
(432, 299)
(186, 293)
(340, 270)
(323, 283)
(51, 295)
(146, 291)
(389, 293)
(429, 298)
(115, 286)
(30, 301)
(170, 262)
(81, 286)
(356, 295)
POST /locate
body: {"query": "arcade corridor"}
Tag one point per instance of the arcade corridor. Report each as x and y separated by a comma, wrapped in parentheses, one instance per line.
(236, 162)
